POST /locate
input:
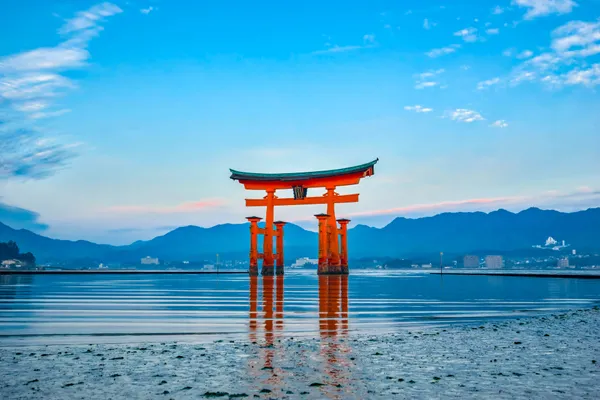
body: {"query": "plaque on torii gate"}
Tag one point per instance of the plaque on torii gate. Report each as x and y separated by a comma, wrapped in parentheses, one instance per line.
(333, 249)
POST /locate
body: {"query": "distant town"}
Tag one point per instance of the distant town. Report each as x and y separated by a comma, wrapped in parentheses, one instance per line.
(553, 254)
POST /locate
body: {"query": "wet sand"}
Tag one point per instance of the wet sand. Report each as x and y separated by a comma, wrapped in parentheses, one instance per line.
(546, 357)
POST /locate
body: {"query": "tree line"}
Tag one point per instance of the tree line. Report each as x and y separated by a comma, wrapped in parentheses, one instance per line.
(10, 251)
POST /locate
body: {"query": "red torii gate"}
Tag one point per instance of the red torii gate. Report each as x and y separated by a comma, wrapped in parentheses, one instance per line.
(333, 256)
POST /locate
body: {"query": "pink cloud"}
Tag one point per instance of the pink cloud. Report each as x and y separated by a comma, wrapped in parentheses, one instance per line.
(192, 206)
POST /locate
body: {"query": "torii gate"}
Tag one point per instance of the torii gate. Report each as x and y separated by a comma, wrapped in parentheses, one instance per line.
(333, 256)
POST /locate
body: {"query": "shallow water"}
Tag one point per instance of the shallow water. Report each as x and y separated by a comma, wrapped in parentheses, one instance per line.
(46, 309)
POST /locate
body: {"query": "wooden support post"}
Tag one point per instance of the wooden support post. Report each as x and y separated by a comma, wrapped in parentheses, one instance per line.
(254, 230)
(323, 268)
(332, 237)
(268, 261)
(344, 245)
(279, 247)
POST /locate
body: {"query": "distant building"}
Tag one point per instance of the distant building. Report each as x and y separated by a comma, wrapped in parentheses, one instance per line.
(426, 265)
(300, 262)
(149, 261)
(574, 252)
(550, 242)
(563, 262)
(470, 261)
(494, 262)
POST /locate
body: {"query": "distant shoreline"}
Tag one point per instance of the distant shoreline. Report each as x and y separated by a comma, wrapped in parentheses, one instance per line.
(117, 272)
(530, 274)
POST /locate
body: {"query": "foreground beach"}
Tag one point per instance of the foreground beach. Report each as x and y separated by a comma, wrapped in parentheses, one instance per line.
(553, 356)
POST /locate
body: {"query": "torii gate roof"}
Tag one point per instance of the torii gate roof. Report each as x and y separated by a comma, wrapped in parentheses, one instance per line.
(366, 169)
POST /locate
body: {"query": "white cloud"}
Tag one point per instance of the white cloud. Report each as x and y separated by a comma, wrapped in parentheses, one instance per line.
(423, 85)
(587, 77)
(492, 31)
(508, 52)
(88, 19)
(368, 41)
(486, 84)
(30, 83)
(40, 115)
(539, 8)
(30, 106)
(565, 64)
(338, 49)
(467, 34)
(465, 115)
(525, 54)
(369, 38)
(428, 24)
(443, 51)
(577, 39)
(427, 79)
(44, 58)
(497, 10)
(147, 10)
(499, 124)
(418, 108)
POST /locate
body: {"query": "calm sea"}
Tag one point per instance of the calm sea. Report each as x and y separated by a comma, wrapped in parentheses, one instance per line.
(46, 309)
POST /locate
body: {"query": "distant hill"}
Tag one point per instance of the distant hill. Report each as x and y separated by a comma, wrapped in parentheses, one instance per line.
(465, 232)
(45, 249)
(500, 231)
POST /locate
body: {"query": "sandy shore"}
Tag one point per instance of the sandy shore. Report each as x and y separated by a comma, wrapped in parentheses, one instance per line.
(542, 358)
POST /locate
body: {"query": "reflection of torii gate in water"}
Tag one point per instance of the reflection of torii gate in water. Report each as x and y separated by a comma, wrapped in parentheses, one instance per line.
(333, 255)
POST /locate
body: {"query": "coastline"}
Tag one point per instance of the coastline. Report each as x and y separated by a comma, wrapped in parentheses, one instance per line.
(550, 356)
(120, 272)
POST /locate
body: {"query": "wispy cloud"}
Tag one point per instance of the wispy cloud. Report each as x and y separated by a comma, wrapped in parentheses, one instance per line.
(427, 24)
(499, 124)
(467, 34)
(188, 207)
(30, 84)
(427, 79)
(486, 84)
(581, 197)
(464, 115)
(443, 51)
(147, 10)
(369, 38)
(338, 49)
(497, 10)
(524, 54)
(418, 108)
(492, 31)
(565, 64)
(540, 8)
(368, 42)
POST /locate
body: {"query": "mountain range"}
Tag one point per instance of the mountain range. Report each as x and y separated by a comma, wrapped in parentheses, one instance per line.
(453, 233)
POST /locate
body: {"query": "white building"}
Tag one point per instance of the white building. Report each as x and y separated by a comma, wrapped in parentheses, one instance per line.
(300, 262)
(149, 261)
(494, 262)
(563, 262)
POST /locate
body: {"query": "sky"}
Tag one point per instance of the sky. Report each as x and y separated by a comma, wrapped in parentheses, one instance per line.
(120, 120)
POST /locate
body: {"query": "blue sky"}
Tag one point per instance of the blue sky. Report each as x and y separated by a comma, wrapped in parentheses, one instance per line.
(123, 118)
